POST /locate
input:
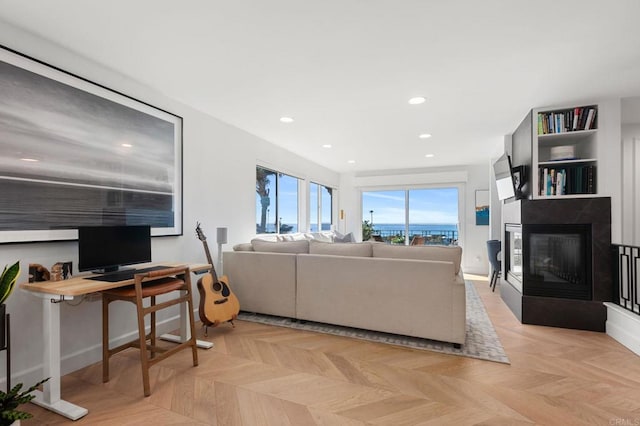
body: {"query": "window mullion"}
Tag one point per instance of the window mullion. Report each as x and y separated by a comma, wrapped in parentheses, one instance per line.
(406, 217)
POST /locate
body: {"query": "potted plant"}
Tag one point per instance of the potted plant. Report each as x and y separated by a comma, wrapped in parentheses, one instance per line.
(9, 402)
(7, 282)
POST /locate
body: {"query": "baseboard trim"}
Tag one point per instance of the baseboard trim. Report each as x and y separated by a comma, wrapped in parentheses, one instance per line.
(623, 326)
(87, 356)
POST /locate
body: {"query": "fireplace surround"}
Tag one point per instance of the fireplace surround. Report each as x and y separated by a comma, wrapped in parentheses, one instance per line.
(556, 261)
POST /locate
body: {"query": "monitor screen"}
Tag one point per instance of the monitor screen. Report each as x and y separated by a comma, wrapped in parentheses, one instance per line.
(106, 248)
(504, 178)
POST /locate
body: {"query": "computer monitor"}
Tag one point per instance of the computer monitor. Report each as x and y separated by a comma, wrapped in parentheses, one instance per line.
(106, 248)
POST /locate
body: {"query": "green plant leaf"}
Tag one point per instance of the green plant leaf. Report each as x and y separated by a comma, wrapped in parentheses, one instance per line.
(8, 280)
(10, 401)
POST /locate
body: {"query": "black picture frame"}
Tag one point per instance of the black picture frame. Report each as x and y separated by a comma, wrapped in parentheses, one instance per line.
(76, 153)
(519, 176)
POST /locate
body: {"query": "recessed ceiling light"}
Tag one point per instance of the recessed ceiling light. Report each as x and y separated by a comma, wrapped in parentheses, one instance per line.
(429, 155)
(425, 136)
(417, 100)
(326, 145)
(30, 160)
(351, 161)
(127, 145)
(286, 119)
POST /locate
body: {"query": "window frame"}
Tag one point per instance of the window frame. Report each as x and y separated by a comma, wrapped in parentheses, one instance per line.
(319, 207)
(277, 186)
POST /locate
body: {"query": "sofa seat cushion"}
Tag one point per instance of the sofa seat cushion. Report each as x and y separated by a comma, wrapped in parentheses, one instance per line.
(442, 253)
(340, 249)
(301, 246)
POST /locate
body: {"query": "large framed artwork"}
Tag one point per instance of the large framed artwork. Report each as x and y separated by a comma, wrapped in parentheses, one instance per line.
(75, 153)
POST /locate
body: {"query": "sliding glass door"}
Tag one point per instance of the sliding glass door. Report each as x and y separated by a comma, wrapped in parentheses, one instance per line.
(383, 215)
(433, 215)
(411, 216)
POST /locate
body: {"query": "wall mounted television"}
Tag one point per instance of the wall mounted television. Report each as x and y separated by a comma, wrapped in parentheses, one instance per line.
(107, 248)
(504, 178)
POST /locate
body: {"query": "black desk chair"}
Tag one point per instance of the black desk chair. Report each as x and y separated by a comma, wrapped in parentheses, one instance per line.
(494, 247)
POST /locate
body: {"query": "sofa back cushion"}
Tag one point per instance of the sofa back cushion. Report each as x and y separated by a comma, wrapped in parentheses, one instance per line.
(243, 247)
(340, 249)
(443, 253)
(281, 246)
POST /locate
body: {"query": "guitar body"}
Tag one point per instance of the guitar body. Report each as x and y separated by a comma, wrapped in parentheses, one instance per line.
(217, 302)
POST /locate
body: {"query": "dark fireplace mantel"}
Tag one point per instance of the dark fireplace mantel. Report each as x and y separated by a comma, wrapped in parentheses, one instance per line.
(565, 272)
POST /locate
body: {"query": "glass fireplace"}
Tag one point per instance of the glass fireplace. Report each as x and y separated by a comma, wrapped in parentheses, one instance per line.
(513, 260)
(557, 261)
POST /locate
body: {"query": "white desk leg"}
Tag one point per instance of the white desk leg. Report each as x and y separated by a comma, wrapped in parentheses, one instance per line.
(50, 398)
(185, 333)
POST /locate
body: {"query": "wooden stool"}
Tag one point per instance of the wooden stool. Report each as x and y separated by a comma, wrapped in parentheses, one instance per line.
(149, 284)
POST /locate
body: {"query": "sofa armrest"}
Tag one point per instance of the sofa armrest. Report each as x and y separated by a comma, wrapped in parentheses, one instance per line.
(263, 282)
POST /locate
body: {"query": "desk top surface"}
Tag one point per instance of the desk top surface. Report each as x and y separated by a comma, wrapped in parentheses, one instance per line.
(79, 285)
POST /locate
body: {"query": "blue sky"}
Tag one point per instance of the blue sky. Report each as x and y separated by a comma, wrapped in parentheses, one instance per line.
(288, 193)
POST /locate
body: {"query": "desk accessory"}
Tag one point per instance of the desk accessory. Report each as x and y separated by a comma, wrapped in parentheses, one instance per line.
(38, 273)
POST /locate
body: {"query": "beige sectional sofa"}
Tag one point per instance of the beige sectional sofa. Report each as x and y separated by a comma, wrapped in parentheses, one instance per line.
(411, 290)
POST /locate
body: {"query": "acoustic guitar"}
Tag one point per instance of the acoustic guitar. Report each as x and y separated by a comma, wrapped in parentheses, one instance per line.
(217, 303)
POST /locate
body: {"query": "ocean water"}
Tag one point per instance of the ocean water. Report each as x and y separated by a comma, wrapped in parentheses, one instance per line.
(415, 227)
(444, 233)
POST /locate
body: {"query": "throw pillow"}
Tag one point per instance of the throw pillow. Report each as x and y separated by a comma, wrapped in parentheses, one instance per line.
(348, 238)
(243, 247)
(322, 236)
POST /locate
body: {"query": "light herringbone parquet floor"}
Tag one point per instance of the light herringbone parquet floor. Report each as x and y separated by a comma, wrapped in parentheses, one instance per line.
(263, 375)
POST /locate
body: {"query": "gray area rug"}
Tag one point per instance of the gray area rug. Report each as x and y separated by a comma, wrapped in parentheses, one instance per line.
(482, 341)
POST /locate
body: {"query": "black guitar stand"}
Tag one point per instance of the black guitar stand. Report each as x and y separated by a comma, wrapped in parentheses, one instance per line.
(206, 327)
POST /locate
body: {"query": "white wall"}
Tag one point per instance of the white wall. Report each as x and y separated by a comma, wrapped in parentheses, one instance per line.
(468, 179)
(609, 154)
(219, 163)
(630, 177)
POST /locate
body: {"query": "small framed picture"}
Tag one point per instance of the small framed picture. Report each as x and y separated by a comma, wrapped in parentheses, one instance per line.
(517, 178)
(482, 207)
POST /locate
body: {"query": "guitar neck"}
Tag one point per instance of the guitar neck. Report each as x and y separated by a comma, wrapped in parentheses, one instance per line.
(213, 269)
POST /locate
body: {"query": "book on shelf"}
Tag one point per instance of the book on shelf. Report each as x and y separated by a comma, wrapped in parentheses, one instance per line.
(566, 180)
(569, 120)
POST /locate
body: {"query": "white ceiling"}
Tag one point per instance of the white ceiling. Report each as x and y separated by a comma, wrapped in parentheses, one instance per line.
(344, 69)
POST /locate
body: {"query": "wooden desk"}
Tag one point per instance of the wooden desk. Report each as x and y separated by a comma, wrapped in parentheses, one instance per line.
(52, 294)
